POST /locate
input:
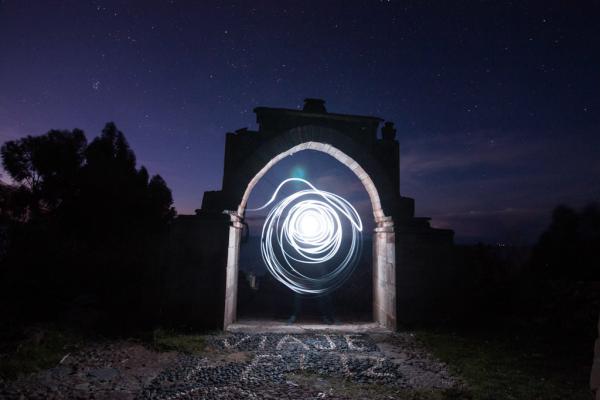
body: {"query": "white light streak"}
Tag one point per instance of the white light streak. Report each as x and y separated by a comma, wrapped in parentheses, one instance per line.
(306, 229)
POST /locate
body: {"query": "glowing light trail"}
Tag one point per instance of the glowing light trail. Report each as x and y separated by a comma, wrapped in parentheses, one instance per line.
(304, 229)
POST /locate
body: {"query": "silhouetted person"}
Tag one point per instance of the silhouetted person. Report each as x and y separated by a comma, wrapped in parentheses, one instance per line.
(326, 308)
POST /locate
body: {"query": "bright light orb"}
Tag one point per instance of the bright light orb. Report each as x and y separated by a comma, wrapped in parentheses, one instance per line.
(306, 228)
(310, 225)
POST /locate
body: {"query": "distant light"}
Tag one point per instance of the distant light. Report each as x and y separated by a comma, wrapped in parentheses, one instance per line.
(298, 172)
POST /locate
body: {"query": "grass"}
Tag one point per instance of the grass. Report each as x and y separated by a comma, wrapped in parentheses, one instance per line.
(22, 353)
(495, 365)
(504, 367)
(167, 340)
(354, 390)
(38, 350)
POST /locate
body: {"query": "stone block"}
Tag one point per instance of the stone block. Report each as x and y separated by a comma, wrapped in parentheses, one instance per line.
(390, 249)
(390, 276)
(352, 140)
(344, 159)
(377, 211)
(354, 166)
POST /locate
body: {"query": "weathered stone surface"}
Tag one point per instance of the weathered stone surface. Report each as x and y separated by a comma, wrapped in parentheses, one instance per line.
(277, 358)
(354, 141)
(108, 370)
(239, 365)
(104, 374)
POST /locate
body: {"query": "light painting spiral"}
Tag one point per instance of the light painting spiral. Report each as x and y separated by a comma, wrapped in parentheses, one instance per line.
(311, 239)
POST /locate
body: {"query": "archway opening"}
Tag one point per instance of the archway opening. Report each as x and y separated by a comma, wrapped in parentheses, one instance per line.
(380, 298)
(260, 295)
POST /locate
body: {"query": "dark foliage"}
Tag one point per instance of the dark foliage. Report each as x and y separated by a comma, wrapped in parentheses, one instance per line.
(83, 228)
(569, 249)
(565, 272)
(552, 289)
(46, 168)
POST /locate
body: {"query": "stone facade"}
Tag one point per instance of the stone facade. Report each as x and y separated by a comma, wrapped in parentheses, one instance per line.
(194, 275)
(409, 257)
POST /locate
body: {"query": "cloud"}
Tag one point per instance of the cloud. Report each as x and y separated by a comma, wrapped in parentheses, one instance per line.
(435, 153)
(341, 185)
(493, 186)
(515, 226)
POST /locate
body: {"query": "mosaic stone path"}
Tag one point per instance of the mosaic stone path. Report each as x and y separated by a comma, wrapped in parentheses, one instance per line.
(247, 366)
(275, 359)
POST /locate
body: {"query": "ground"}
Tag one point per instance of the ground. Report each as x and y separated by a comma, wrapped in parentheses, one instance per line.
(307, 365)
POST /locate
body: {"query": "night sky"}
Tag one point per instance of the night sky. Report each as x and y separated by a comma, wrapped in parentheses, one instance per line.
(497, 104)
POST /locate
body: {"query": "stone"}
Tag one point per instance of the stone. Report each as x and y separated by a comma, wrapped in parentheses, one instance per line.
(82, 386)
(104, 374)
(353, 140)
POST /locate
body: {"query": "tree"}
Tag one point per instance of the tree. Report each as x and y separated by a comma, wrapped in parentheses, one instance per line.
(13, 204)
(568, 249)
(116, 196)
(94, 227)
(46, 166)
(160, 200)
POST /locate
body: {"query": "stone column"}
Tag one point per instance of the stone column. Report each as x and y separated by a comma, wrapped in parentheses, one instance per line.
(595, 375)
(384, 273)
(231, 280)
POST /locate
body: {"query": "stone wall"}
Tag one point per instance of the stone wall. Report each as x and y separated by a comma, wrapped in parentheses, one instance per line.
(411, 260)
(595, 376)
(194, 272)
(424, 274)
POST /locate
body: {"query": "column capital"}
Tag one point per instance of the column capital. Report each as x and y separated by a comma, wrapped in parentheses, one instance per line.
(236, 220)
(384, 224)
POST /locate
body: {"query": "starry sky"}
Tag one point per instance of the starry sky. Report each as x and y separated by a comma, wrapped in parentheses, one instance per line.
(497, 103)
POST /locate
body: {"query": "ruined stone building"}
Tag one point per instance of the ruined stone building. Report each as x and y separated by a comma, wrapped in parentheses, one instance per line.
(411, 260)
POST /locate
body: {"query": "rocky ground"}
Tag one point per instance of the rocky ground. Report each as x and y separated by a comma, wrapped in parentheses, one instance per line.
(256, 366)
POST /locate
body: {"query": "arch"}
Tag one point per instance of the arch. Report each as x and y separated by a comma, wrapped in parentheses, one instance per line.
(248, 154)
(384, 250)
(335, 153)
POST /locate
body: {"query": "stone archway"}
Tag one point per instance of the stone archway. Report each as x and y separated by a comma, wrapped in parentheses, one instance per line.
(410, 277)
(384, 243)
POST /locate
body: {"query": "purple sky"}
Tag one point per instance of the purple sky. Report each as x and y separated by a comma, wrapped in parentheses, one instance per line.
(497, 104)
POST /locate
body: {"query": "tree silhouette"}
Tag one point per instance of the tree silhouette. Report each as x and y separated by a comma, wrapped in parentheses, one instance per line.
(45, 167)
(160, 200)
(14, 204)
(568, 249)
(87, 223)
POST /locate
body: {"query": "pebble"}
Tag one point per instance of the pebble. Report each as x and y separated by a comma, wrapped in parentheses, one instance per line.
(98, 372)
